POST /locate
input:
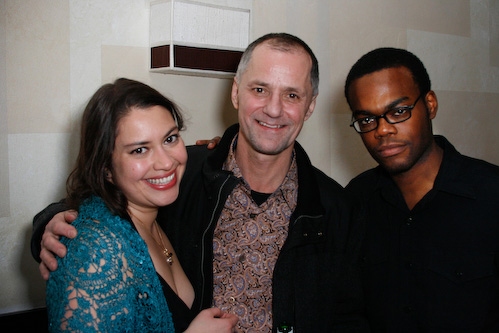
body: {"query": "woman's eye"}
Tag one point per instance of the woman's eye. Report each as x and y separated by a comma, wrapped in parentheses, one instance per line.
(140, 150)
(172, 138)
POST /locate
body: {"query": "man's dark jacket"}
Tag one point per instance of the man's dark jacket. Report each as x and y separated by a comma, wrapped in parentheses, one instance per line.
(315, 278)
(316, 286)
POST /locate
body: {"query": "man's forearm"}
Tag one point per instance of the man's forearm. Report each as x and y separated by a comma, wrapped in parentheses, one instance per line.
(40, 221)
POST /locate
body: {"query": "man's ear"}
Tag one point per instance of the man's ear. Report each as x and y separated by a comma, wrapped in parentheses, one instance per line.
(431, 102)
(311, 107)
(233, 94)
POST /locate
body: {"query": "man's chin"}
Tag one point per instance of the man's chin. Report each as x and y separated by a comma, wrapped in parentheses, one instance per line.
(395, 169)
(269, 149)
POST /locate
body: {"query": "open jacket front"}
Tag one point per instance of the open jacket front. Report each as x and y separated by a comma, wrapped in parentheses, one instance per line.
(315, 283)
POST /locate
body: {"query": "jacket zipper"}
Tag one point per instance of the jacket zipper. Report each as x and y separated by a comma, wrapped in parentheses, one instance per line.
(203, 277)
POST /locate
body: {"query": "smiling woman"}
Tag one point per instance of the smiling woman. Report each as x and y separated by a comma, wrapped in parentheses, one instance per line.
(120, 272)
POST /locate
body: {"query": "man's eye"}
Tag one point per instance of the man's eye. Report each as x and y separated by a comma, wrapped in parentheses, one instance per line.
(366, 120)
(258, 90)
(399, 111)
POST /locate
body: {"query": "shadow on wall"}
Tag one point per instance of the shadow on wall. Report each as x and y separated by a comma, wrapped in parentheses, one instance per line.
(28, 271)
(228, 115)
(33, 320)
(352, 157)
(74, 145)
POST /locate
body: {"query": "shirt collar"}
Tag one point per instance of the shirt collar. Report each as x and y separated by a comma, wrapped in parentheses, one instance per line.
(230, 164)
(450, 176)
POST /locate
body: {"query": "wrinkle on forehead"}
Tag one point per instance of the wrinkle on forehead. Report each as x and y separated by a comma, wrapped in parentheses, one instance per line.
(288, 70)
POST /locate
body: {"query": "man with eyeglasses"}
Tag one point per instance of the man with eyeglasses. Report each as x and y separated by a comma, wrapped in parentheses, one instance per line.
(430, 252)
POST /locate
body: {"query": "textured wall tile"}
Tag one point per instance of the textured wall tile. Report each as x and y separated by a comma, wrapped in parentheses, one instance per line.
(439, 16)
(37, 60)
(461, 117)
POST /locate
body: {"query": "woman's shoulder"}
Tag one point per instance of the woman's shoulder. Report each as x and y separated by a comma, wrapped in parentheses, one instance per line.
(101, 236)
(95, 217)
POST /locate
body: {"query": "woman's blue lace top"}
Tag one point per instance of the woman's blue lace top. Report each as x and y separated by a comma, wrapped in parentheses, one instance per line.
(107, 281)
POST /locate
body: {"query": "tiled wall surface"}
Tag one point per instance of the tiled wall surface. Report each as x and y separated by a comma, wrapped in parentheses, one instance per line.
(55, 53)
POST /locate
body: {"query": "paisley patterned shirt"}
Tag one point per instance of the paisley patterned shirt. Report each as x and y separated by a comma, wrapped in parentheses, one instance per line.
(246, 244)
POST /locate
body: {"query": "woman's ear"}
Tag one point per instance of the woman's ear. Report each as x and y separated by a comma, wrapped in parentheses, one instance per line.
(108, 175)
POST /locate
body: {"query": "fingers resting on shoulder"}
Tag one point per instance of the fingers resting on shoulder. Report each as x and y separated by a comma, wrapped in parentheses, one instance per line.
(210, 143)
(51, 245)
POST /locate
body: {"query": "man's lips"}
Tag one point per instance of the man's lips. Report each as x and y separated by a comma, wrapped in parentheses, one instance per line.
(390, 150)
(271, 126)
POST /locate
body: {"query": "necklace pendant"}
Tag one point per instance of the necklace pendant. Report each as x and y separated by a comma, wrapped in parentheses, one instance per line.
(168, 256)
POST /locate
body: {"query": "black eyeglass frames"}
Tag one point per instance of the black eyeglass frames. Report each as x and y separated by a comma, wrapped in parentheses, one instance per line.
(392, 116)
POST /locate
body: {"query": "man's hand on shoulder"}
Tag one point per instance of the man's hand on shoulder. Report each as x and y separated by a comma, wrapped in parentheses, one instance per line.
(51, 246)
(211, 144)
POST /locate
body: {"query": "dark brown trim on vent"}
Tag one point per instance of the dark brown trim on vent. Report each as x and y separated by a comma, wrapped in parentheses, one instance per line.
(160, 56)
(196, 58)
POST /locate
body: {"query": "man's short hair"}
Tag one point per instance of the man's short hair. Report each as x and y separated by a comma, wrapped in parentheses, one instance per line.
(283, 42)
(388, 57)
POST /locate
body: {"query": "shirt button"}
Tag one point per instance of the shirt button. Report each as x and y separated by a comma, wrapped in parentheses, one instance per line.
(409, 221)
(407, 309)
(284, 328)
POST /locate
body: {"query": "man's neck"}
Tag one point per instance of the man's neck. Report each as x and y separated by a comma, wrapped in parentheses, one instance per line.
(264, 173)
(419, 180)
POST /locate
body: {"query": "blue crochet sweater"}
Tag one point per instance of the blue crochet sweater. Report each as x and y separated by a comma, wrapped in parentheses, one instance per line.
(107, 281)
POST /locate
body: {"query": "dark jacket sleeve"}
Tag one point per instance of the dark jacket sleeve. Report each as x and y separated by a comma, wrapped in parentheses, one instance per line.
(40, 221)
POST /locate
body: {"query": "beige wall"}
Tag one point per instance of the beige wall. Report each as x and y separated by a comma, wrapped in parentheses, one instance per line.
(55, 53)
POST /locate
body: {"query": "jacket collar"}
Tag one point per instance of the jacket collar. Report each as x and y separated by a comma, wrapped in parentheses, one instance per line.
(308, 203)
